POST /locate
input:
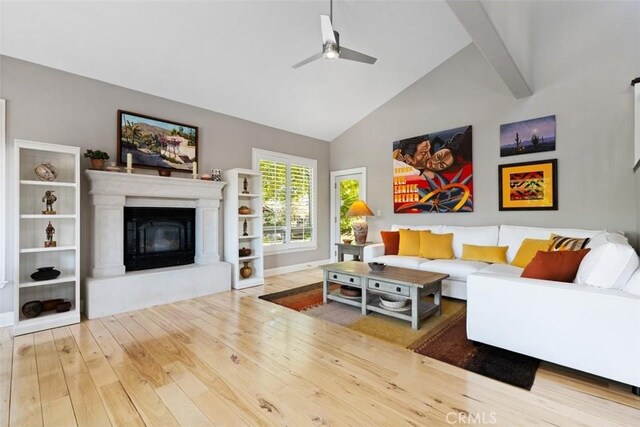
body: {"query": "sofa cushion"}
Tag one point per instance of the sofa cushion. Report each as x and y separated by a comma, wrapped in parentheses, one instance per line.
(432, 228)
(456, 269)
(436, 246)
(559, 266)
(492, 254)
(409, 243)
(513, 235)
(482, 236)
(528, 249)
(633, 285)
(391, 241)
(565, 243)
(400, 261)
(503, 270)
(610, 263)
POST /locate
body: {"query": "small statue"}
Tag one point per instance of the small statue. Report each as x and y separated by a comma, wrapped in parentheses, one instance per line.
(244, 228)
(245, 186)
(50, 243)
(49, 199)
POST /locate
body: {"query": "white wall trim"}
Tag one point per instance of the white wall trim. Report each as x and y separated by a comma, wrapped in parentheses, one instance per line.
(295, 267)
(6, 319)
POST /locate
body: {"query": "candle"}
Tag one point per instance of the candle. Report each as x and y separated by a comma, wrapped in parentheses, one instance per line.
(129, 161)
(195, 169)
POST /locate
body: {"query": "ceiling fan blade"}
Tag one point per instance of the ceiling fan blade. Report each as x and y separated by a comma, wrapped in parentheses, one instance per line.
(327, 30)
(352, 55)
(309, 59)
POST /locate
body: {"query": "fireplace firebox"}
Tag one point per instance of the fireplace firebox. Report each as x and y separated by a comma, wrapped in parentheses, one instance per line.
(158, 237)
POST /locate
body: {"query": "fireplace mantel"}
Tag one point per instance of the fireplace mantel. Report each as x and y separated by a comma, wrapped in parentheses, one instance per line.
(109, 289)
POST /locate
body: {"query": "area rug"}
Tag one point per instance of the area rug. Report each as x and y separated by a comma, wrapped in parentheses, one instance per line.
(441, 337)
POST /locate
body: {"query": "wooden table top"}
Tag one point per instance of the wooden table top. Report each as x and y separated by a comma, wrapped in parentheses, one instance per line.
(405, 276)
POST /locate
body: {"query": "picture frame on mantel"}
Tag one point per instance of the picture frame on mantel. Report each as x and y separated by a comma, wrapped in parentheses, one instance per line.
(528, 186)
(156, 143)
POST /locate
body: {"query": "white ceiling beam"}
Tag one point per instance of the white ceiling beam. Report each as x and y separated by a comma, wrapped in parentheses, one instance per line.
(476, 21)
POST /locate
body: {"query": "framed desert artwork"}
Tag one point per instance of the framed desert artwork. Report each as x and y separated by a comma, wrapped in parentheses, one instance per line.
(433, 173)
(528, 136)
(528, 186)
(156, 143)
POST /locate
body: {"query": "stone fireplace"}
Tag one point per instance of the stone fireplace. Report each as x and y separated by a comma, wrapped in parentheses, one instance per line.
(154, 240)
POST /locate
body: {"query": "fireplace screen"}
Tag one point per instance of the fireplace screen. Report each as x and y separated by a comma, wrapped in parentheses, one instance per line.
(158, 237)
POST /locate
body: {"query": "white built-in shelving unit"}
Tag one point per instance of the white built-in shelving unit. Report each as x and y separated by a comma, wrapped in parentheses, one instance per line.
(234, 198)
(30, 224)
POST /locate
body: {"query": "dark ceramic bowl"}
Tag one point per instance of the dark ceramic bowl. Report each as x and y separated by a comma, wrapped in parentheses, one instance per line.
(350, 291)
(45, 273)
(244, 251)
(377, 266)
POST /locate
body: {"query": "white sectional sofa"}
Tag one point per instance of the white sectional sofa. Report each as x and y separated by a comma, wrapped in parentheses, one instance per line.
(594, 328)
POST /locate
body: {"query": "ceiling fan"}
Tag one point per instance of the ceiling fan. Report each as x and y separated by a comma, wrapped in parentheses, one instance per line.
(331, 48)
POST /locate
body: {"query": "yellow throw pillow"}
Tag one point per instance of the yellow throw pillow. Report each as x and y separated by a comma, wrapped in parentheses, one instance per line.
(562, 243)
(409, 243)
(436, 246)
(528, 249)
(492, 254)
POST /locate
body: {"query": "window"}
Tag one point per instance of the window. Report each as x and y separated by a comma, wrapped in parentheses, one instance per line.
(288, 201)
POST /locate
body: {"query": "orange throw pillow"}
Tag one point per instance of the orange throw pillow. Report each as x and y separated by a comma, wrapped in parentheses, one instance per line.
(557, 266)
(391, 240)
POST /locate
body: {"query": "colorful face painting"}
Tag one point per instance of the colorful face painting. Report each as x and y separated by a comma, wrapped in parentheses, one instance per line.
(433, 173)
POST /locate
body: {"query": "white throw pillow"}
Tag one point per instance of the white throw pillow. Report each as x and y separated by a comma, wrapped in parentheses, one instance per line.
(633, 285)
(610, 262)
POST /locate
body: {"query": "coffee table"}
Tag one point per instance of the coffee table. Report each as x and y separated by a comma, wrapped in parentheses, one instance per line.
(398, 281)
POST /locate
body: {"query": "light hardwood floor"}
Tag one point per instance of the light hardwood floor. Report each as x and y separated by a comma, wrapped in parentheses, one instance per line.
(232, 359)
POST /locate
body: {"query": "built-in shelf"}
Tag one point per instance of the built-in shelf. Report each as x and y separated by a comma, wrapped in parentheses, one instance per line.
(29, 283)
(54, 249)
(248, 258)
(248, 237)
(48, 183)
(248, 216)
(47, 316)
(247, 196)
(43, 216)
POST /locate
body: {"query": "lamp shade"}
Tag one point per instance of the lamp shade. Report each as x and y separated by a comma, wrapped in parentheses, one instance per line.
(359, 208)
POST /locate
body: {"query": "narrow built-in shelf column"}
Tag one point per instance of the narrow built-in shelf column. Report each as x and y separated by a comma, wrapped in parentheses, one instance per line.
(108, 235)
(207, 241)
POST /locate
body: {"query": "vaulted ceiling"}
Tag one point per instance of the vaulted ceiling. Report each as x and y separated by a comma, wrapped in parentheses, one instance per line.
(235, 57)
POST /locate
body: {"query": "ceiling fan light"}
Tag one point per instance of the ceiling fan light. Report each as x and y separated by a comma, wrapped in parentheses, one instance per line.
(330, 51)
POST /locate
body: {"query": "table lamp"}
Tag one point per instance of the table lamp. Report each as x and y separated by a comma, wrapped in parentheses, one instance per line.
(360, 228)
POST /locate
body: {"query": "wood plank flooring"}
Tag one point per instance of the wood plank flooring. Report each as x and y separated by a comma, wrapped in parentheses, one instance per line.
(234, 360)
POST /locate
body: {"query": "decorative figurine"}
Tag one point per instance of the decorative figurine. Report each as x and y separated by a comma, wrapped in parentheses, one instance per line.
(216, 174)
(244, 228)
(46, 172)
(50, 243)
(49, 199)
(245, 186)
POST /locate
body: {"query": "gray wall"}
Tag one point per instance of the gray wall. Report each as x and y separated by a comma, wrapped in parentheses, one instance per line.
(585, 56)
(48, 105)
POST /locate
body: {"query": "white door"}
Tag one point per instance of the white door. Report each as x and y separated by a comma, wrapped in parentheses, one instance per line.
(347, 186)
(3, 209)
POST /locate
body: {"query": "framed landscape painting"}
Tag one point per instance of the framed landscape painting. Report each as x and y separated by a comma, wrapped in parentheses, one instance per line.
(528, 136)
(433, 173)
(528, 186)
(156, 143)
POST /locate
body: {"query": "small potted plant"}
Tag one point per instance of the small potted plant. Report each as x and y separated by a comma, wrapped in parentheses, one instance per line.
(97, 158)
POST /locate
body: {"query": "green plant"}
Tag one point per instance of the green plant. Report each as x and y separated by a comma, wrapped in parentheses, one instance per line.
(96, 155)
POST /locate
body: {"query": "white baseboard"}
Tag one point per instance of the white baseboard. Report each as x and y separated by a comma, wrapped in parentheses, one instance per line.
(295, 267)
(6, 319)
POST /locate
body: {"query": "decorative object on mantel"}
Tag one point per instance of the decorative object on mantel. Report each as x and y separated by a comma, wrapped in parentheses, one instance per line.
(45, 273)
(360, 228)
(113, 167)
(46, 172)
(194, 167)
(129, 163)
(216, 174)
(97, 158)
(244, 210)
(164, 172)
(244, 228)
(245, 186)
(246, 271)
(49, 199)
(33, 309)
(244, 251)
(206, 177)
(157, 143)
(50, 243)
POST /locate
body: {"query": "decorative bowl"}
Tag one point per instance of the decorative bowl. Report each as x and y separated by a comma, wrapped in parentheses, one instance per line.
(46, 172)
(244, 210)
(350, 291)
(347, 241)
(45, 273)
(377, 266)
(164, 172)
(244, 251)
(392, 301)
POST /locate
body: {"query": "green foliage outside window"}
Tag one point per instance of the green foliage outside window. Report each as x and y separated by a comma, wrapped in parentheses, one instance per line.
(349, 193)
